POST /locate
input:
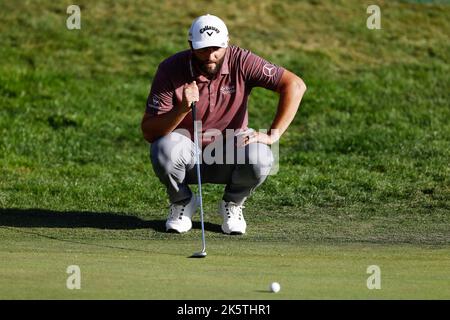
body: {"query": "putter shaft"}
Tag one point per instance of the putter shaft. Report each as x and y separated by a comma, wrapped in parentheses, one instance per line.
(199, 180)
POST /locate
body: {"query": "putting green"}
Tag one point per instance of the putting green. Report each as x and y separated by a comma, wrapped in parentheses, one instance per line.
(35, 267)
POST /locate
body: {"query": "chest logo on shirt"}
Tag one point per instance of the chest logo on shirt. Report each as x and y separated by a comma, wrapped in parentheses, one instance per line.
(269, 70)
(228, 89)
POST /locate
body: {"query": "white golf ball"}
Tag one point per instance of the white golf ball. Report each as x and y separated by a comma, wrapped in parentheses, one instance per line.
(275, 287)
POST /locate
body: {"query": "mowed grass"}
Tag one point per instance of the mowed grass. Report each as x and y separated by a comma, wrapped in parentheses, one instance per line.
(363, 169)
(35, 267)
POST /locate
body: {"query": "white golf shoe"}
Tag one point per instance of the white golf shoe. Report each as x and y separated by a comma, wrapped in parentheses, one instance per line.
(233, 219)
(180, 216)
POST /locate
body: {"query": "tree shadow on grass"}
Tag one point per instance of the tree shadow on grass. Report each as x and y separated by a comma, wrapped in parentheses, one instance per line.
(42, 218)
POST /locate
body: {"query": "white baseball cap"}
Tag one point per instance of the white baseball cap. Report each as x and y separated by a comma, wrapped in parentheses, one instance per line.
(208, 31)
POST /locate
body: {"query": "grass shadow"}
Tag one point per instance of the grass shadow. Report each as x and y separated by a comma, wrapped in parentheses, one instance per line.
(263, 291)
(211, 227)
(43, 218)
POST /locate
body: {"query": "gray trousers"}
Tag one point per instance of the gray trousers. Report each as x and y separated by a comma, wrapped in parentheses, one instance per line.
(241, 169)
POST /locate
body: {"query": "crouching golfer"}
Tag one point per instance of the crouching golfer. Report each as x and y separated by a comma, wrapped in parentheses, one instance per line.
(219, 78)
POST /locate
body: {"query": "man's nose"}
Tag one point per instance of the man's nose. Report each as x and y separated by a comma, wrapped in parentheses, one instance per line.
(212, 55)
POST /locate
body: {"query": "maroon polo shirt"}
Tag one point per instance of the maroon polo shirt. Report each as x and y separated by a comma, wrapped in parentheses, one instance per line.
(223, 100)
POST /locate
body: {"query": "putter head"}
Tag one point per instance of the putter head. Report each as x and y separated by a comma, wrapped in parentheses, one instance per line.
(201, 254)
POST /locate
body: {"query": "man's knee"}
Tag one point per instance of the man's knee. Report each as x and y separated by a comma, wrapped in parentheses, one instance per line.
(260, 159)
(171, 150)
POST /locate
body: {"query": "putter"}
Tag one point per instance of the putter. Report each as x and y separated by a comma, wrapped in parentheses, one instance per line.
(202, 253)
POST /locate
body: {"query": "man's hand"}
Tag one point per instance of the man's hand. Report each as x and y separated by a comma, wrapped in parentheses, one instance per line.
(190, 94)
(255, 136)
(154, 127)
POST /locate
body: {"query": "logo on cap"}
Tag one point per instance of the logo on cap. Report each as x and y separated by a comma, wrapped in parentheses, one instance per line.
(209, 28)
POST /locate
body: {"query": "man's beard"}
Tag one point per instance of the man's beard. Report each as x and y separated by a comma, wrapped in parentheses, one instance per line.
(209, 71)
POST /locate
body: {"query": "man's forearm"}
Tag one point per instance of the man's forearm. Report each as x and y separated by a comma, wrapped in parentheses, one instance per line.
(154, 127)
(290, 98)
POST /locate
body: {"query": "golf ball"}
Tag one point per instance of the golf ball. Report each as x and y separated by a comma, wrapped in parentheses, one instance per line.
(275, 287)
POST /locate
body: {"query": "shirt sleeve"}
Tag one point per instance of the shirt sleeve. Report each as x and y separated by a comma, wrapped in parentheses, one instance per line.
(160, 99)
(259, 72)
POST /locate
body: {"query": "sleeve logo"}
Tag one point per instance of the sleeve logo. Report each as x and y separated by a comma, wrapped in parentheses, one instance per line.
(155, 103)
(269, 70)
